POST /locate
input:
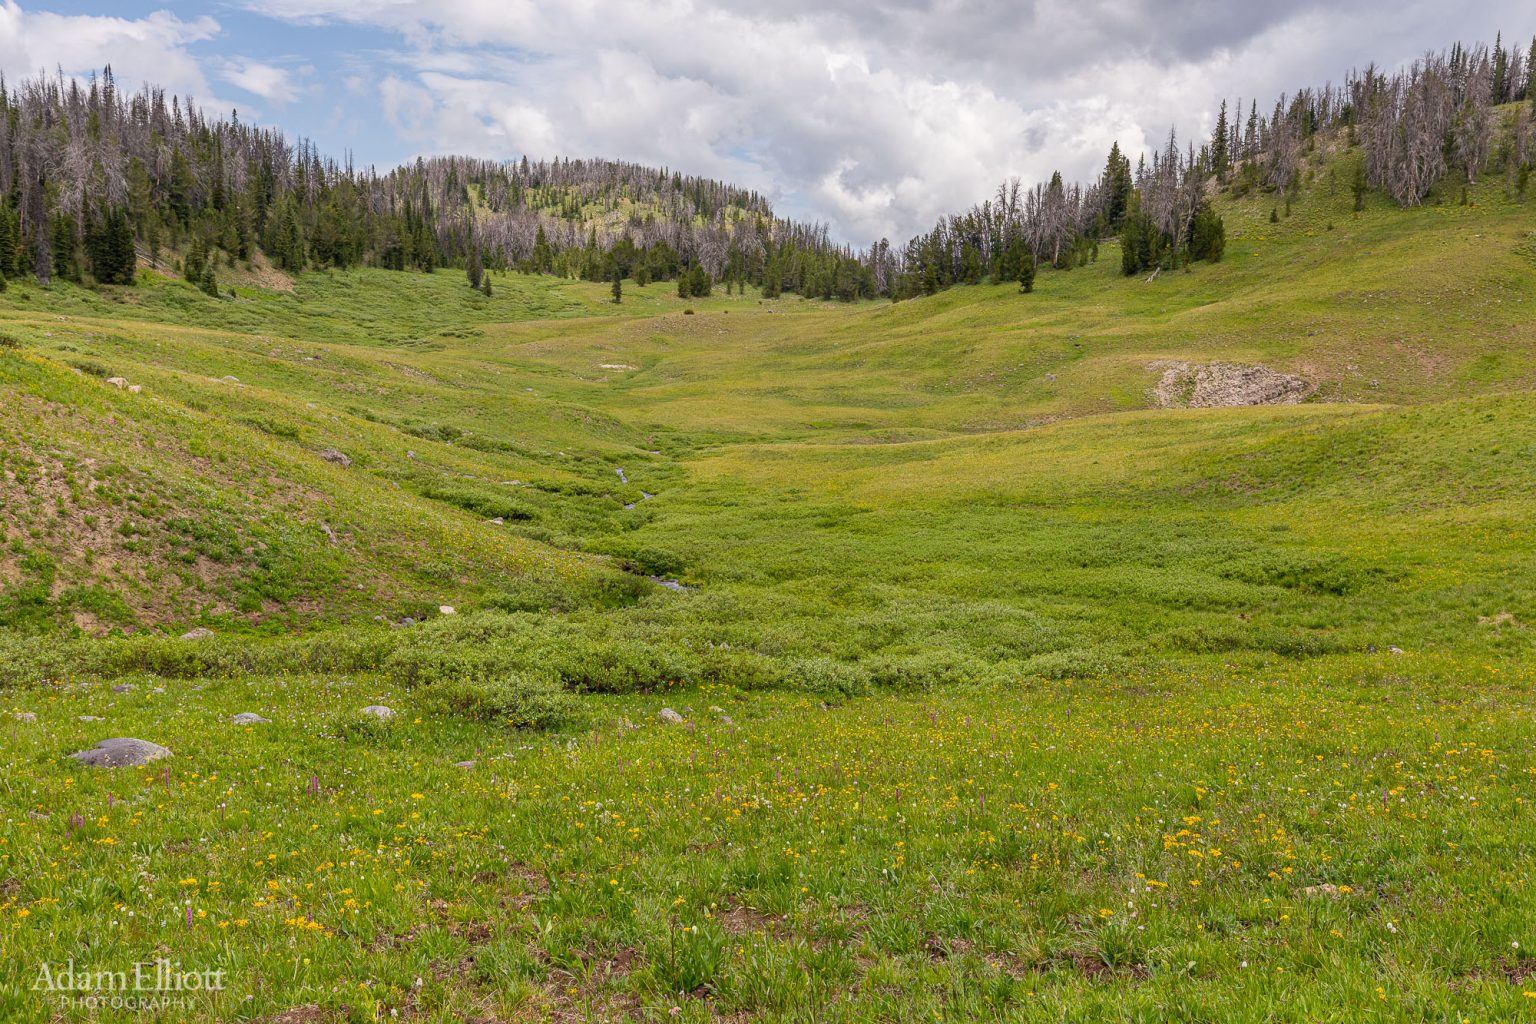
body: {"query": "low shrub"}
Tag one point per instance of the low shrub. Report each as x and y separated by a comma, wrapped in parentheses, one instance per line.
(527, 700)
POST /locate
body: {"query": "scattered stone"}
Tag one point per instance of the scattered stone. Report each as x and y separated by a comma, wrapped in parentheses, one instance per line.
(250, 718)
(407, 622)
(445, 609)
(1225, 385)
(200, 633)
(670, 584)
(670, 717)
(230, 380)
(24, 716)
(121, 752)
(124, 688)
(92, 718)
(379, 711)
(622, 478)
(118, 382)
(1394, 650)
(330, 534)
(340, 459)
(1327, 889)
(134, 389)
(497, 521)
(464, 764)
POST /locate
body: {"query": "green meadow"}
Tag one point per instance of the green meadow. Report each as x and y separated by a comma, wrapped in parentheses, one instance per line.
(1003, 693)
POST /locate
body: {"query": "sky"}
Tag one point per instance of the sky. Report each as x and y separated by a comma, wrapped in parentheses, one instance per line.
(876, 117)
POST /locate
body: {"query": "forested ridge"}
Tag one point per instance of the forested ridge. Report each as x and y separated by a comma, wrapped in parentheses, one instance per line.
(94, 179)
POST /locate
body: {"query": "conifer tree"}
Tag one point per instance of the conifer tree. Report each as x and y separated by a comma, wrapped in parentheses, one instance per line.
(1220, 156)
(618, 285)
(1027, 274)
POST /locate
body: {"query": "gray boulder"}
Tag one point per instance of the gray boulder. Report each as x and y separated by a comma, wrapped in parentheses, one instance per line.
(250, 718)
(332, 455)
(121, 752)
(200, 633)
(670, 717)
(379, 711)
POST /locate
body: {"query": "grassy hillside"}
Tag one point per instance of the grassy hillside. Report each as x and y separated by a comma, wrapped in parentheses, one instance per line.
(1009, 694)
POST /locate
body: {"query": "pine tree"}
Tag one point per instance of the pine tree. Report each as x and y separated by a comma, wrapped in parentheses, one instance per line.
(474, 268)
(207, 282)
(485, 286)
(618, 286)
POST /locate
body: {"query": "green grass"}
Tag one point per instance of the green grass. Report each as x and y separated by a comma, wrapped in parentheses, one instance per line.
(1048, 704)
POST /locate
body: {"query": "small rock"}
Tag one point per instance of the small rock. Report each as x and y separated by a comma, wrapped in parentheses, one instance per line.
(497, 521)
(445, 609)
(379, 711)
(24, 716)
(118, 382)
(200, 633)
(670, 584)
(134, 389)
(250, 718)
(407, 621)
(1394, 650)
(670, 717)
(92, 718)
(230, 380)
(1327, 889)
(340, 459)
(121, 752)
(124, 688)
(464, 764)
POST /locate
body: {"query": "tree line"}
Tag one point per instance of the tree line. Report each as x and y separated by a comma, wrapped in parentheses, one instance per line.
(93, 179)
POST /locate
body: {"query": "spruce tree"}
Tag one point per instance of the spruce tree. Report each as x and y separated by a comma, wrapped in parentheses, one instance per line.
(10, 254)
(207, 282)
(1027, 273)
(1219, 153)
(618, 287)
(1207, 235)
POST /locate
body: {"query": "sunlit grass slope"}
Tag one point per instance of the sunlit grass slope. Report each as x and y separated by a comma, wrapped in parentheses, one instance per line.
(1008, 695)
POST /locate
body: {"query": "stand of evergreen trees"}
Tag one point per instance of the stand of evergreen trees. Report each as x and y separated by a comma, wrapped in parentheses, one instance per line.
(93, 180)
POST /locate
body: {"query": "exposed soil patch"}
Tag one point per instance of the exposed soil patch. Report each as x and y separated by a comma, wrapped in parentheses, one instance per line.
(1095, 969)
(747, 921)
(1225, 385)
